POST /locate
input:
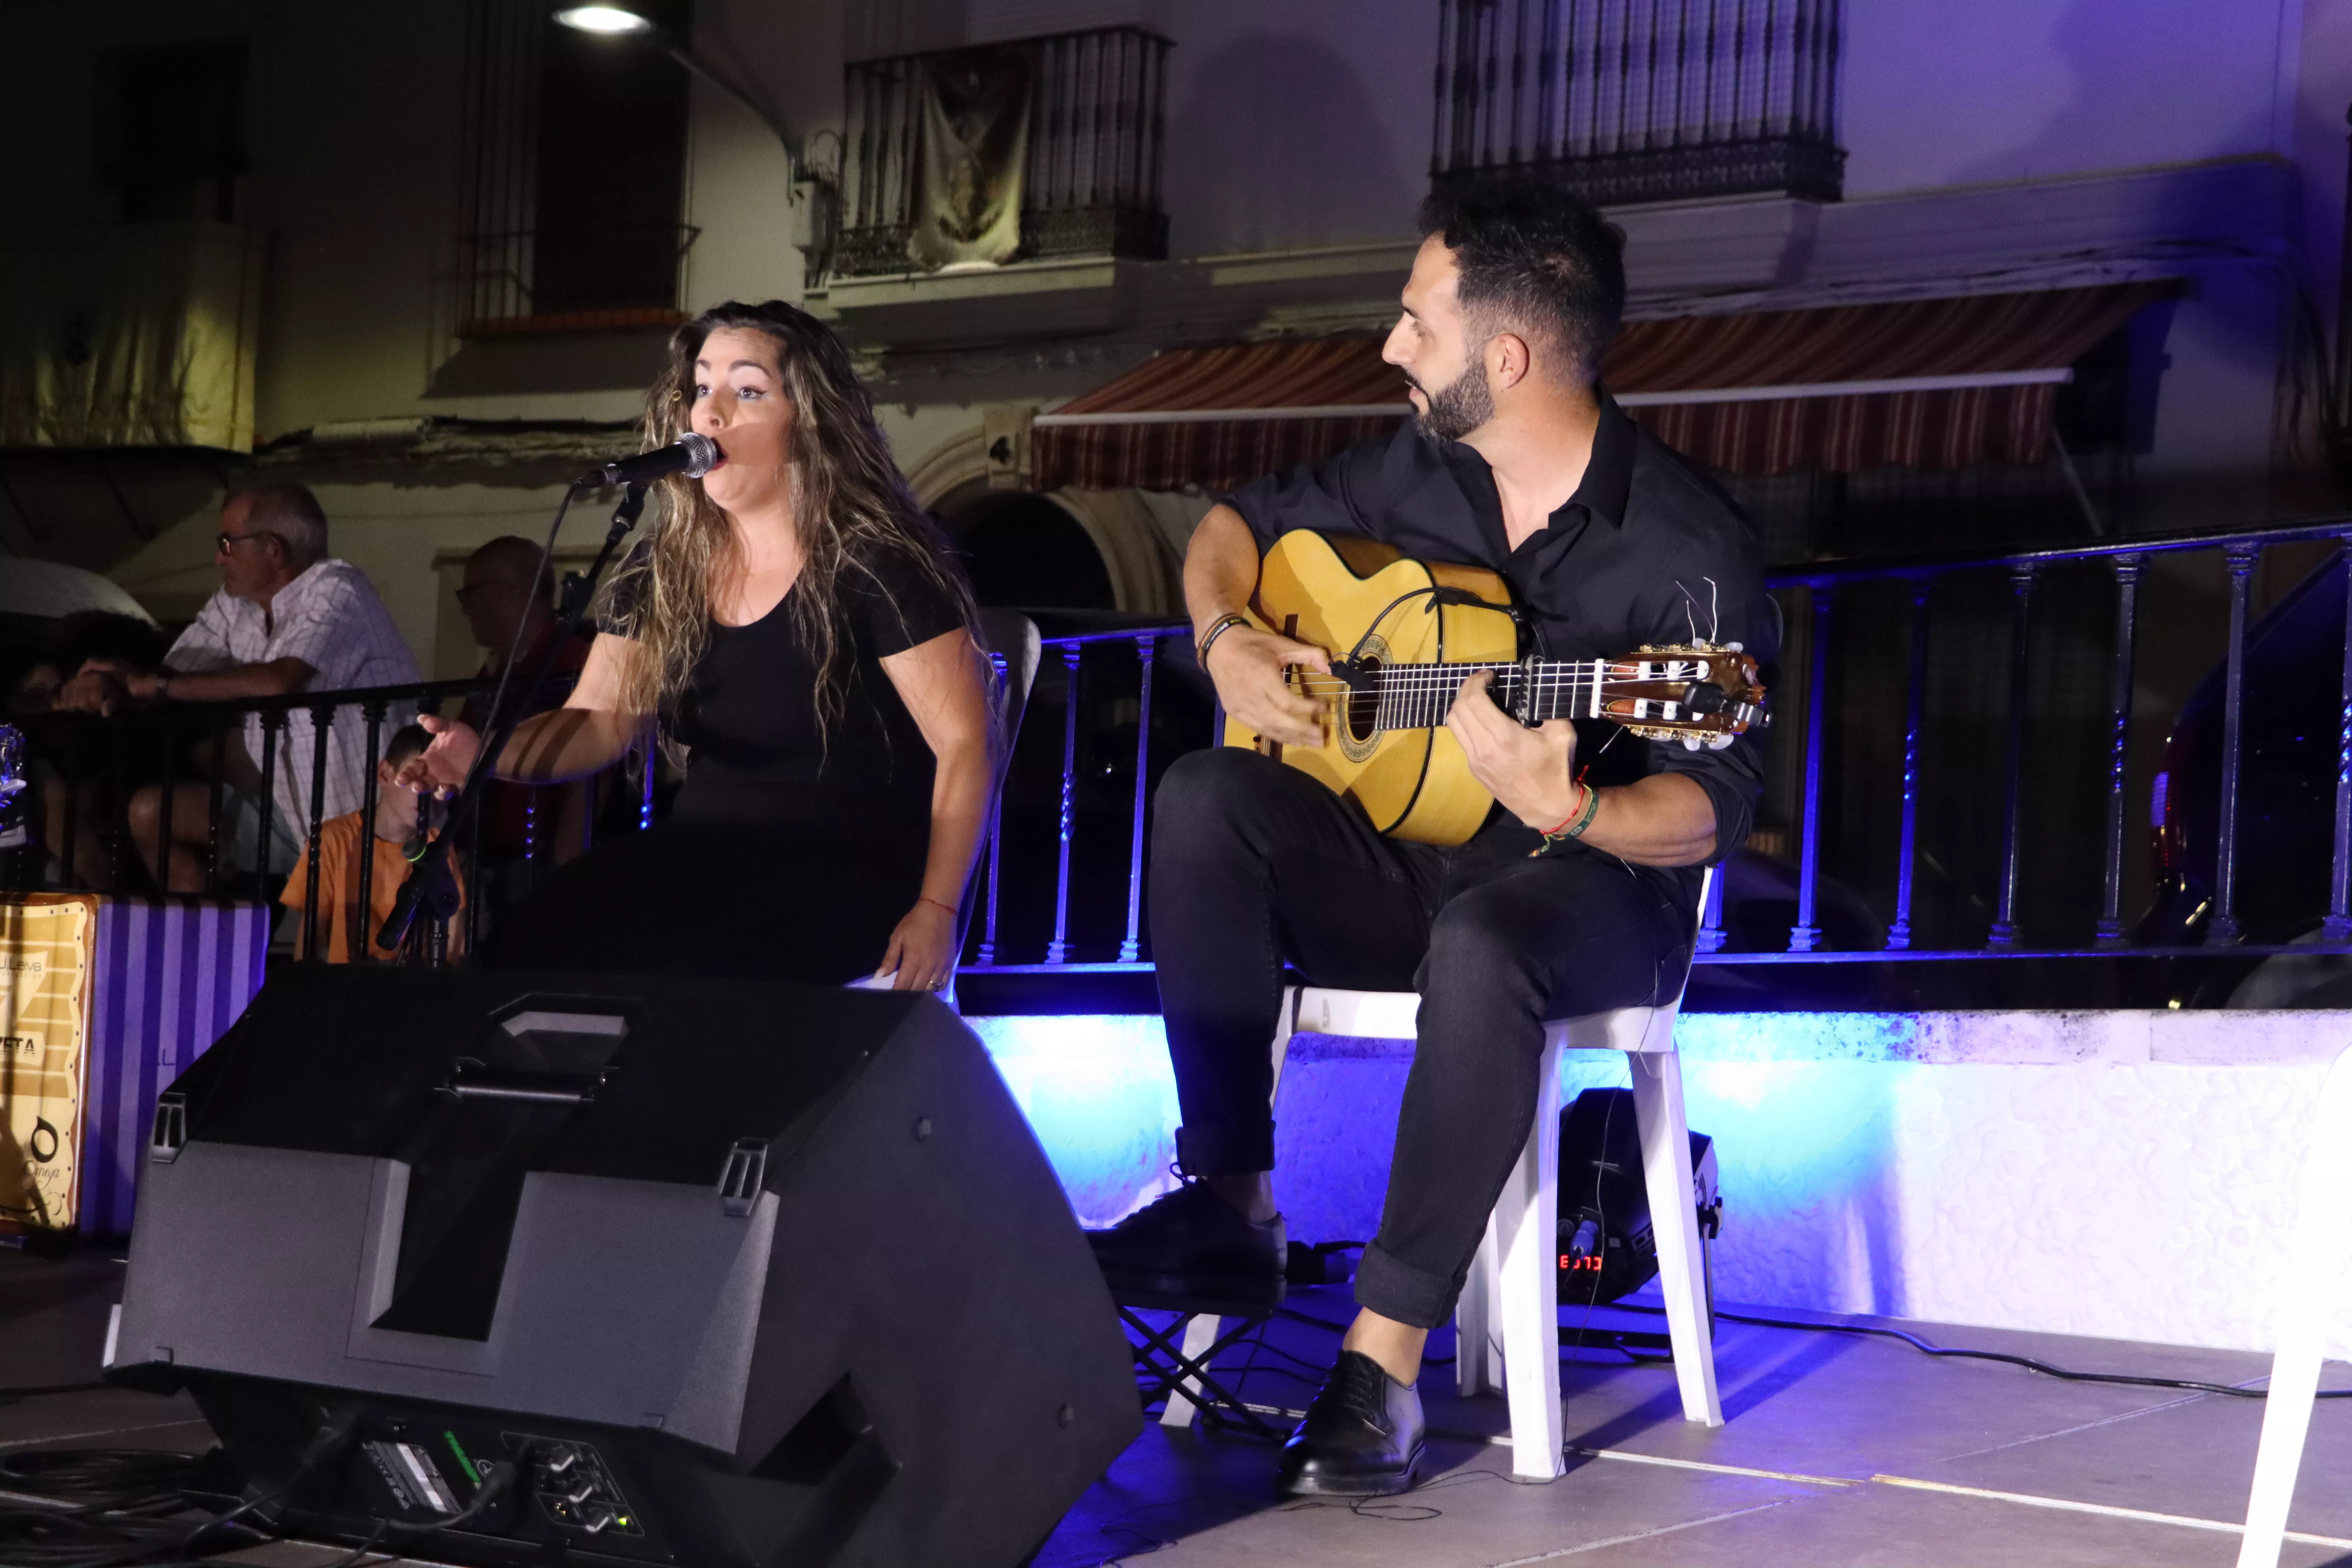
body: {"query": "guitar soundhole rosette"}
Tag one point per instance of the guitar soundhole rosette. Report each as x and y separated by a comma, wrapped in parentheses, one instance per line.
(1356, 715)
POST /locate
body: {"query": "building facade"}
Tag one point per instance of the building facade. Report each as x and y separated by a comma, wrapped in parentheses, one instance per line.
(1908, 273)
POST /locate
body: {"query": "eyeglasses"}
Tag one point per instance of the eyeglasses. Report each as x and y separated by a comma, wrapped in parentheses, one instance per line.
(225, 542)
(465, 595)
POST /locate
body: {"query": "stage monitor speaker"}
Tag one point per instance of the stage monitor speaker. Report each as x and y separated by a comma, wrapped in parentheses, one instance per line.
(625, 1271)
(1607, 1247)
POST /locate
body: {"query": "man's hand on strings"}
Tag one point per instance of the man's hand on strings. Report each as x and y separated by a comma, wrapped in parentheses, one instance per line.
(1250, 669)
(1531, 772)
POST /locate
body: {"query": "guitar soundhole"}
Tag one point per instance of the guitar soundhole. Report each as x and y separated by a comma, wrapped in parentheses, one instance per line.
(1359, 716)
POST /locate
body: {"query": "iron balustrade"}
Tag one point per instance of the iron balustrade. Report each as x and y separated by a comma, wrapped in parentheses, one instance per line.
(599, 276)
(39, 866)
(1809, 674)
(1073, 874)
(1090, 185)
(1641, 100)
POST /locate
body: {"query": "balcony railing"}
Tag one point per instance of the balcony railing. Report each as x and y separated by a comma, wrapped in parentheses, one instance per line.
(72, 829)
(1091, 183)
(601, 277)
(1641, 100)
(1953, 772)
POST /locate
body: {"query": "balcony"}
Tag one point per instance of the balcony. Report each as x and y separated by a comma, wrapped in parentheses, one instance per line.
(607, 276)
(1091, 181)
(1641, 100)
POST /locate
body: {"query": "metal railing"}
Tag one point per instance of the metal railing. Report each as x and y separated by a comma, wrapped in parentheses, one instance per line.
(1943, 665)
(597, 277)
(91, 806)
(1959, 753)
(1091, 182)
(1641, 100)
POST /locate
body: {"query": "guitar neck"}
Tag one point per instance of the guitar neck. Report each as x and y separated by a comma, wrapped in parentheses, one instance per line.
(1416, 696)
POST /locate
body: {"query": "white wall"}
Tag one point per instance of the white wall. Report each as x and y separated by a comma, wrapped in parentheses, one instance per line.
(1285, 130)
(2125, 1175)
(1938, 94)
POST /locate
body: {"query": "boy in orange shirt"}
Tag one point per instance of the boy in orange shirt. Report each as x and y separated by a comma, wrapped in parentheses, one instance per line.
(339, 842)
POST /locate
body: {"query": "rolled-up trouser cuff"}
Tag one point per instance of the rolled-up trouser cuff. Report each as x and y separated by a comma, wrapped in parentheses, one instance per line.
(1218, 1152)
(1399, 1291)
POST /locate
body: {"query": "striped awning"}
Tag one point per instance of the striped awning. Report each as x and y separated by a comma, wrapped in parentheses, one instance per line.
(1933, 384)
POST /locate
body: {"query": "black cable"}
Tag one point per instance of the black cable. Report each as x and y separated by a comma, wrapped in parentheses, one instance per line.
(1915, 1343)
(107, 1477)
(497, 1479)
(352, 1558)
(2188, 1385)
(124, 1506)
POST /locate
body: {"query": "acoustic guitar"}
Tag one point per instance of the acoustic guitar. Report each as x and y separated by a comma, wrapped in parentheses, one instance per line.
(1403, 634)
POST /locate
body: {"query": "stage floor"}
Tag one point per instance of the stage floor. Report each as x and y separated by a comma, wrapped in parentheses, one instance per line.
(1840, 1450)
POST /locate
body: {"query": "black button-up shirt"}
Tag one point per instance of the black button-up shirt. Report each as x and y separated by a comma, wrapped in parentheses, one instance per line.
(1648, 549)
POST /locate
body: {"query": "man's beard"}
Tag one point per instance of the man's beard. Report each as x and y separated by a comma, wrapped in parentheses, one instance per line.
(1458, 408)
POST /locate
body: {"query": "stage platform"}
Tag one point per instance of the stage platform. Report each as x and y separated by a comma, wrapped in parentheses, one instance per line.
(1840, 1450)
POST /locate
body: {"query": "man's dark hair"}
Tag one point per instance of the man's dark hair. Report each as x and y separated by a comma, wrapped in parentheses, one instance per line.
(1538, 261)
(288, 510)
(406, 742)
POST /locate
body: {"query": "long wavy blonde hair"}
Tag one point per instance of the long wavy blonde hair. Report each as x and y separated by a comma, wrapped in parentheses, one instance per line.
(850, 505)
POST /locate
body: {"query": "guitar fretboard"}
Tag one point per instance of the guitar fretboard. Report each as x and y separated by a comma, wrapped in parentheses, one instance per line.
(1417, 695)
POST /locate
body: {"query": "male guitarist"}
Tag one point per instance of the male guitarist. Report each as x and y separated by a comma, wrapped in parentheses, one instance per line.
(1579, 893)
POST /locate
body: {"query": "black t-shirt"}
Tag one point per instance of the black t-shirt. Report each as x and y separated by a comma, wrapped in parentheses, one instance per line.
(1648, 549)
(749, 711)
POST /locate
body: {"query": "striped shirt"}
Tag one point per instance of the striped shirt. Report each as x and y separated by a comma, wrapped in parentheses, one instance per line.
(331, 619)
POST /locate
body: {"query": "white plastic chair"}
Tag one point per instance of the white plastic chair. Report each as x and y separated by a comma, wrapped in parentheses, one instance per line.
(2314, 1291)
(1515, 1277)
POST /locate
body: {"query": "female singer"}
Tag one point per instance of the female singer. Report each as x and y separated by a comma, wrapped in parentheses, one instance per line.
(794, 630)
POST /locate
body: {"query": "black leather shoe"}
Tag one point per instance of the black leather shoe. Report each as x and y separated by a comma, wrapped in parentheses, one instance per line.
(1190, 1247)
(1362, 1436)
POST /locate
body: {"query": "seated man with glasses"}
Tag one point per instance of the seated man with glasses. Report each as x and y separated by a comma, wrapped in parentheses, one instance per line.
(507, 603)
(285, 619)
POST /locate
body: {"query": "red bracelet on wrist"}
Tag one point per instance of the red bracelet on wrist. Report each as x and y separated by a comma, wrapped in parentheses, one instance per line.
(927, 899)
(1583, 790)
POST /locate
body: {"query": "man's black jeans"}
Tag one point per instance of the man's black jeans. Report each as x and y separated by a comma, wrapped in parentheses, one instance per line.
(1254, 863)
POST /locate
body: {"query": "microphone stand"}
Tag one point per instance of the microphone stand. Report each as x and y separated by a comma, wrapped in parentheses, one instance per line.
(431, 886)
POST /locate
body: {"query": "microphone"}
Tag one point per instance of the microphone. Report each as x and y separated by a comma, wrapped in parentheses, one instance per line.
(693, 454)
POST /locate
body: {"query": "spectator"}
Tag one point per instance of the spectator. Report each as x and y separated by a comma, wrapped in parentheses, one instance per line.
(506, 605)
(77, 762)
(397, 814)
(286, 619)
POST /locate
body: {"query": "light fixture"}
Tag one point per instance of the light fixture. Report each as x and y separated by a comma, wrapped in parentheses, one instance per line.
(631, 22)
(613, 21)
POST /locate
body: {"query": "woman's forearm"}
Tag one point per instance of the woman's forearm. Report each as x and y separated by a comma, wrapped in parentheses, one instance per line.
(959, 789)
(567, 744)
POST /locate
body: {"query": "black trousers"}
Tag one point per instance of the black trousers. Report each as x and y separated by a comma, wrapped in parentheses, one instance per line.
(1253, 864)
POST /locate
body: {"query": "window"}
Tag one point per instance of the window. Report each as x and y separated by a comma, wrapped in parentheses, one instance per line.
(574, 176)
(171, 131)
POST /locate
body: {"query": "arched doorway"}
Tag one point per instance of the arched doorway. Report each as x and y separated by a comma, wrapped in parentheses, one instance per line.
(1022, 541)
(1023, 550)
